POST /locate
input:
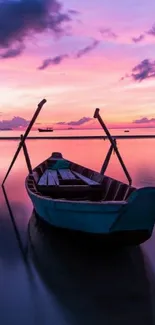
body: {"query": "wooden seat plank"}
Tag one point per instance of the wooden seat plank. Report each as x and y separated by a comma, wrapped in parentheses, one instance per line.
(54, 175)
(51, 180)
(43, 179)
(66, 174)
(86, 179)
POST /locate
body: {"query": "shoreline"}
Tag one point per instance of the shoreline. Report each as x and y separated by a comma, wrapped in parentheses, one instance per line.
(81, 137)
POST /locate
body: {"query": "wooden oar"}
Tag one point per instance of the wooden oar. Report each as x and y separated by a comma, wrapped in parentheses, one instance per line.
(97, 115)
(40, 105)
(107, 159)
(27, 158)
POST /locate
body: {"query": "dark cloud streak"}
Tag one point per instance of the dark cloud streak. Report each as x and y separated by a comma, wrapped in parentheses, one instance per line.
(12, 52)
(138, 39)
(144, 70)
(83, 120)
(55, 61)
(87, 49)
(61, 123)
(20, 19)
(144, 120)
(73, 12)
(107, 32)
(151, 31)
(58, 59)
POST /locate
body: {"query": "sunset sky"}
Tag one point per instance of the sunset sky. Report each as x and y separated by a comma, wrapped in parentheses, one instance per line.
(79, 55)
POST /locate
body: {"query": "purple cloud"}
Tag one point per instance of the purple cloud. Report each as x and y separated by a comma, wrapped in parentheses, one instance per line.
(151, 31)
(12, 52)
(19, 19)
(107, 32)
(87, 49)
(81, 121)
(55, 61)
(15, 122)
(144, 70)
(75, 123)
(144, 120)
(138, 39)
(61, 123)
(73, 12)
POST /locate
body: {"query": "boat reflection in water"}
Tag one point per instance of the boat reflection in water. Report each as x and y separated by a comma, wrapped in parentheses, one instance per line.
(83, 284)
(92, 285)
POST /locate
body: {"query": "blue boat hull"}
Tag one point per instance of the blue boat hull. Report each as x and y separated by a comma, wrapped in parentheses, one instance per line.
(75, 215)
(117, 238)
(127, 222)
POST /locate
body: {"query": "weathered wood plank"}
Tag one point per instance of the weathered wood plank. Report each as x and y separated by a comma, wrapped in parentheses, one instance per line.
(66, 174)
(51, 180)
(86, 179)
(43, 178)
(70, 174)
(54, 175)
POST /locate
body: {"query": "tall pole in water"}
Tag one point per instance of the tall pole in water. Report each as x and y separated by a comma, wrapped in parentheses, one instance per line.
(40, 105)
(27, 158)
(97, 115)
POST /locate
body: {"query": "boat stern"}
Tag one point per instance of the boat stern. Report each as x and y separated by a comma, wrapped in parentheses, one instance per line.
(138, 213)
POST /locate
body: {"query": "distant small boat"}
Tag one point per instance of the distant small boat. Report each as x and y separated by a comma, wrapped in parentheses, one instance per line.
(6, 129)
(45, 130)
(126, 131)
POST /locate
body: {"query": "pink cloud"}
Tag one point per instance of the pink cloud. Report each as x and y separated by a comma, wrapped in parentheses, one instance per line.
(74, 88)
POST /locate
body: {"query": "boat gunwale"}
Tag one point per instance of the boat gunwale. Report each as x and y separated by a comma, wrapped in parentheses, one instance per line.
(73, 201)
(43, 197)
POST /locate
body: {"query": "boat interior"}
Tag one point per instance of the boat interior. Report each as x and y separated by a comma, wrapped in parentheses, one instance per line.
(62, 179)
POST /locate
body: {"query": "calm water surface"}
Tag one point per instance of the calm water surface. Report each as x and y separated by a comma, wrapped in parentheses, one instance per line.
(134, 131)
(76, 286)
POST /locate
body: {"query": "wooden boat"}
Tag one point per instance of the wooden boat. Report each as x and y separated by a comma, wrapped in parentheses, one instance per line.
(69, 196)
(45, 130)
(126, 131)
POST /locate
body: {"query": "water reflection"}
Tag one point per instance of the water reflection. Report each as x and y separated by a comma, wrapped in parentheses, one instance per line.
(6, 225)
(82, 285)
(138, 156)
(145, 177)
(93, 286)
